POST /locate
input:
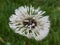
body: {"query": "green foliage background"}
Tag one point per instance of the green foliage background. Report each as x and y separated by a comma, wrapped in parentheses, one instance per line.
(8, 37)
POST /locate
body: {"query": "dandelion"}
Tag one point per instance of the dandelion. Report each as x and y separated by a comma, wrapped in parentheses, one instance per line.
(30, 22)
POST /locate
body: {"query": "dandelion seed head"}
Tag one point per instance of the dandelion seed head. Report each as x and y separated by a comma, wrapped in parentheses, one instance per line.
(32, 24)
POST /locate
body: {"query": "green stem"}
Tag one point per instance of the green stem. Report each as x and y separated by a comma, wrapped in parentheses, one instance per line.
(27, 41)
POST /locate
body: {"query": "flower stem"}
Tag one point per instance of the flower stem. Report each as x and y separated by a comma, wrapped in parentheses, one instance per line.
(27, 41)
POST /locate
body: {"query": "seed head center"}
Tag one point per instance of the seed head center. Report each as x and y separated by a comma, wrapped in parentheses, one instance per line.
(30, 23)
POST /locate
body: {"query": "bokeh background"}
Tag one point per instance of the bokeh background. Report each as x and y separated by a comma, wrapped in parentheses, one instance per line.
(9, 37)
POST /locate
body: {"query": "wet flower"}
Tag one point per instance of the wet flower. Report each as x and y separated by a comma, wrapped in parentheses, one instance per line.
(30, 22)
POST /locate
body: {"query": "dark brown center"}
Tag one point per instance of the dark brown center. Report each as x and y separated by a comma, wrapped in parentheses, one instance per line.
(30, 22)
